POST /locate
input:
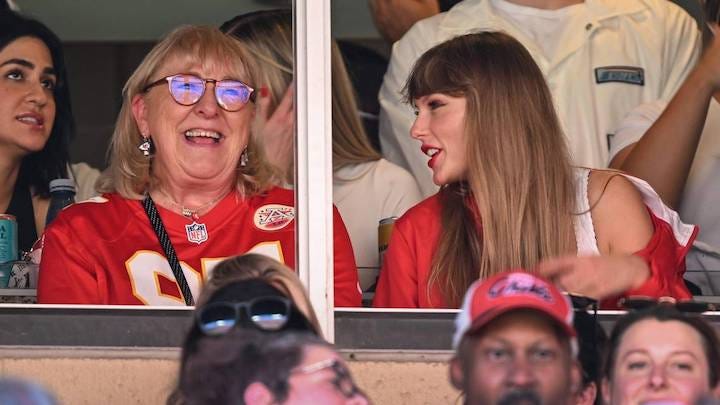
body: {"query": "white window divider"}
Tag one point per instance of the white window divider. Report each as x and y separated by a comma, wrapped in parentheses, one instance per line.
(313, 163)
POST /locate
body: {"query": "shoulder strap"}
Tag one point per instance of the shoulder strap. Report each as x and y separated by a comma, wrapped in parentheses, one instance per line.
(168, 248)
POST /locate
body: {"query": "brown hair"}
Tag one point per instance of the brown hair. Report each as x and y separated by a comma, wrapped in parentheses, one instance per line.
(268, 36)
(130, 173)
(257, 266)
(518, 194)
(667, 313)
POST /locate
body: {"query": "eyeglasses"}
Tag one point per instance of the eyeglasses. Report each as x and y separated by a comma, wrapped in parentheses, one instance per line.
(265, 313)
(343, 381)
(688, 306)
(186, 89)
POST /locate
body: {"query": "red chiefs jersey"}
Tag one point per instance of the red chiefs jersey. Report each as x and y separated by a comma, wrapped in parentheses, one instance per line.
(405, 272)
(104, 250)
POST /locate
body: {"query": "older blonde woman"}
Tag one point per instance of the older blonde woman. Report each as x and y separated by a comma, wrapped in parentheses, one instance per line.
(366, 188)
(187, 186)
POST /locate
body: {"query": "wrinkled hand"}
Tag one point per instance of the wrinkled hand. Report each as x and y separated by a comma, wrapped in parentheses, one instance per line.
(394, 17)
(277, 131)
(597, 277)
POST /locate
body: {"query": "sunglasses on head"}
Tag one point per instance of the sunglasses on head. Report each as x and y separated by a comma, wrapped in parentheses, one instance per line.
(688, 306)
(187, 89)
(265, 313)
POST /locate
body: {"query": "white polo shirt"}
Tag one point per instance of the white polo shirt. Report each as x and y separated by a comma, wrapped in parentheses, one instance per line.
(613, 56)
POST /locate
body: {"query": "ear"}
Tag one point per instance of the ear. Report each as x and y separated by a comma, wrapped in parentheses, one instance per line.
(576, 378)
(257, 394)
(587, 395)
(139, 113)
(457, 376)
(605, 391)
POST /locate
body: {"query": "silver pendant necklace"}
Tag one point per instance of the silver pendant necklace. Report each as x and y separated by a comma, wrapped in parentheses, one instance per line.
(196, 232)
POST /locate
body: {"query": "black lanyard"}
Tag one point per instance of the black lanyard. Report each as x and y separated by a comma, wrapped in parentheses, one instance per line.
(168, 248)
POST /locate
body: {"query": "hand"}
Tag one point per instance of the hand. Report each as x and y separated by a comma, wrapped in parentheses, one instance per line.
(276, 132)
(597, 277)
(394, 17)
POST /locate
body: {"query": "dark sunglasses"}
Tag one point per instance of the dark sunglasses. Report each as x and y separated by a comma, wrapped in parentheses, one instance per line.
(265, 313)
(343, 381)
(187, 89)
(687, 306)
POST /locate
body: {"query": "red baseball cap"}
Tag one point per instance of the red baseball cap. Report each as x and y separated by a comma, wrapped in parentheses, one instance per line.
(487, 299)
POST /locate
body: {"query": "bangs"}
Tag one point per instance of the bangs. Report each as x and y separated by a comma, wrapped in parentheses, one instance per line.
(435, 72)
(208, 46)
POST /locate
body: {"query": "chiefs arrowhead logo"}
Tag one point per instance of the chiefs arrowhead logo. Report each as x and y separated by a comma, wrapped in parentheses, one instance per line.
(273, 217)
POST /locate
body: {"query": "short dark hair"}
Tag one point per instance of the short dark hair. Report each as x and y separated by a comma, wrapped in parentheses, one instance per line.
(666, 313)
(37, 169)
(224, 366)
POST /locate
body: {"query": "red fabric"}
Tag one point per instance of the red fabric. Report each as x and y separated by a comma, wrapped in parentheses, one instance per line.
(107, 252)
(406, 268)
(666, 259)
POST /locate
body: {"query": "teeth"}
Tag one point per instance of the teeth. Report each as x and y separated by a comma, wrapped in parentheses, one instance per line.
(432, 152)
(29, 120)
(191, 133)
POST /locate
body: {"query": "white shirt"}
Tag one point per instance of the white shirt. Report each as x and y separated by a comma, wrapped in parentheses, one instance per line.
(364, 194)
(700, 202)
(655, 35)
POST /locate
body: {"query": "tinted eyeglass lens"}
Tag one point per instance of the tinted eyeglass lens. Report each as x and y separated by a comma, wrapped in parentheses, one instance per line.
(217, 319)
(186, 89)
(269, 314)
(231, 94)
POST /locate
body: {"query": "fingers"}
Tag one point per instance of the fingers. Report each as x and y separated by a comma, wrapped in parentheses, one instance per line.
(556, 266)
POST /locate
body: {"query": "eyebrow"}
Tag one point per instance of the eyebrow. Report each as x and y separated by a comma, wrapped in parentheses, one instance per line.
(27, 64)
(645, 352)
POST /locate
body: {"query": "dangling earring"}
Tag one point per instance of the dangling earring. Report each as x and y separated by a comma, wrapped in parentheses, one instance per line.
(147, 147)
(244, 158)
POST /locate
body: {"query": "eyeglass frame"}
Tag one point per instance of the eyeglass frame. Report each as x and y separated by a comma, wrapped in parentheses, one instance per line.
(236, 308)
(341, 373)
(168, 79)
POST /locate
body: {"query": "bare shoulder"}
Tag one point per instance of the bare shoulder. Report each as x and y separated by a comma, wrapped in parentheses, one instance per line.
(622, 223)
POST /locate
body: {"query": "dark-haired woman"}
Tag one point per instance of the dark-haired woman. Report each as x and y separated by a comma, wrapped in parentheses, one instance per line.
(35, 122)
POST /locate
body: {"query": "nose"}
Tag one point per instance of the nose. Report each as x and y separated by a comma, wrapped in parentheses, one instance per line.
(521, 374)
(38, 95)
(658, 379)
(207, 106)
(419, 127)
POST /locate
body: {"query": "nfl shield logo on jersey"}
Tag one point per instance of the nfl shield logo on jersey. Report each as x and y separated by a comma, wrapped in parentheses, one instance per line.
(196, 233)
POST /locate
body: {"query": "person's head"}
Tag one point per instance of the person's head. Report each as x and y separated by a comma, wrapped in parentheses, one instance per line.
(251, 368)
(485, 116)
(661, 354)
(254, 266)
(394, 18)
(36, 123)
(192, 96)
(268, 35)
(592, 341)
(514, 342)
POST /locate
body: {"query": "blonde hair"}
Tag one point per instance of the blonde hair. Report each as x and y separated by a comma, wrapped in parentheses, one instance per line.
(256, 266)
(268, 36)
(516, 204)
(130, 173)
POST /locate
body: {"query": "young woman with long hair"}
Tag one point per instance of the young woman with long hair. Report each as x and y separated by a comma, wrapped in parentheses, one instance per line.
(509, 196)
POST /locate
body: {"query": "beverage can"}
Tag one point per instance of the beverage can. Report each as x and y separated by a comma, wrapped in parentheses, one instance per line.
(385, 228)
(8, 238)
